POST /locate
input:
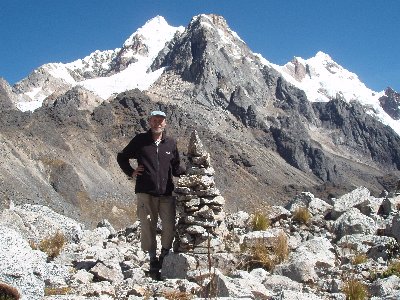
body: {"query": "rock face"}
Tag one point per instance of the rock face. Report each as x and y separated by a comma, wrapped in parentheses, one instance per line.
(390, 102)
(7, 97)
(200, 227)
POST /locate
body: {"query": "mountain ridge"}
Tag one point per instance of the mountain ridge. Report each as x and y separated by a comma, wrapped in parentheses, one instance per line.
(266, 137)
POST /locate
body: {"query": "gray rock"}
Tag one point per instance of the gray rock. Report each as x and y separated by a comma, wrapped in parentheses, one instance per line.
(37, 222)
(268, 237)
(309, 258)
(278, 283)
(350, 200)
(24, 268)
(107, 271)
(388, 287)
(276, 213)
(177, 265)
(315, 205)
(374, 246)
(353, 222)
(390, 205)
(242, 285)
(394, 229)
(293, 295)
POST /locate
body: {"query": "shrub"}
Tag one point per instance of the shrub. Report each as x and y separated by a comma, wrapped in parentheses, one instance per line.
(393, 269)
(260, 221)
(8, 292)
(52, 246)
(355, 290)
(281, 248)
(265, 256)
(359, 258)
(302, 215)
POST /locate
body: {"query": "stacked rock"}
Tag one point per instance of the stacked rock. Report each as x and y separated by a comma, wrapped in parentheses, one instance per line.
(200, 227)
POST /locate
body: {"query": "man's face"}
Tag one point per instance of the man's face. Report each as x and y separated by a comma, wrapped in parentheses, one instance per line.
(157, 124)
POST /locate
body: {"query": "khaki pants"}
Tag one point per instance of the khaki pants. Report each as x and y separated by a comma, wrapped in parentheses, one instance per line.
(148, 209)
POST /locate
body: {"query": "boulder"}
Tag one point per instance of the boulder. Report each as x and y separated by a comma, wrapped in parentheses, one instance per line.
(239, 285)
(349, 200)
(353, 222)
(315, 205)
(26, 269)
(177, 265)
(268, 237)
(387, 288)
(374, 246)
(394, 229)
(310, 257)
(36, 223)
(390, 205)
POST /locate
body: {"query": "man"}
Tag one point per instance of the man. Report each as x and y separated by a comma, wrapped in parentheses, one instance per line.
(157, 161)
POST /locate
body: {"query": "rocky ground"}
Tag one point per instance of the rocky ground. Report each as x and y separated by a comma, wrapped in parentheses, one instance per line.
(347, 240)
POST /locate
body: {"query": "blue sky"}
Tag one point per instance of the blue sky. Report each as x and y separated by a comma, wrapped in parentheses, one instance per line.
(361, 35)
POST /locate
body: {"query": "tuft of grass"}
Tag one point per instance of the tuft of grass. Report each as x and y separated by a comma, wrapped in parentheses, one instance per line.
(260, 221)
(359, 258)
(355, 290)
(302, 215)
(281, 249)
(265, 256)
(177, 295)
(52, 246)
(393, 269)
(53, 291)
(7, 292)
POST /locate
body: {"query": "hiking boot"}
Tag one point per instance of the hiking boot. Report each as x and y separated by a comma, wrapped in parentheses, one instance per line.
(164, 253)
(155, 265)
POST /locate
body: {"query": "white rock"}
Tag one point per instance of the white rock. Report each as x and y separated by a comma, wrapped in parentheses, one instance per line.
(20, 266)
(177, 265)
(293, 295)
(349, 201)
(395, 227)
(37, 222)
(353, 222)
(303, 263)
(386, 287)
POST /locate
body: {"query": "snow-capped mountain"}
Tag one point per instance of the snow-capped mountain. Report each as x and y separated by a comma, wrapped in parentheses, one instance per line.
(272, 130)
(322, 79)
(109, 72)
(103, 72)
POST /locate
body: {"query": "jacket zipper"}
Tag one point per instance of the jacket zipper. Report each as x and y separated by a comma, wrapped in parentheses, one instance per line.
(158, 170)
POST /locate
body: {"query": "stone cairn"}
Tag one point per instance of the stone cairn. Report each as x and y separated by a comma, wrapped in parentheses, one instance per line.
(200, 227)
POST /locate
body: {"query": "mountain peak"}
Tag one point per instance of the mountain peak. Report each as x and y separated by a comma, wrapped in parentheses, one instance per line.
(155, 30)
(322, 56)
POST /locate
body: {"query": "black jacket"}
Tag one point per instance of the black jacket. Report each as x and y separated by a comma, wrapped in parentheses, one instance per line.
(160, 163)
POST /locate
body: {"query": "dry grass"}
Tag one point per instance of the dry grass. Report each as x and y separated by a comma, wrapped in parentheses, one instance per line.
(52, 291)
(7, 292)
(266, 256)
(393, 269)
(355, 290)
(53, 162)
(177, 295)
(359, 258)
(52, 246)
(302, 215)
(281, 248)
(260, 221)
